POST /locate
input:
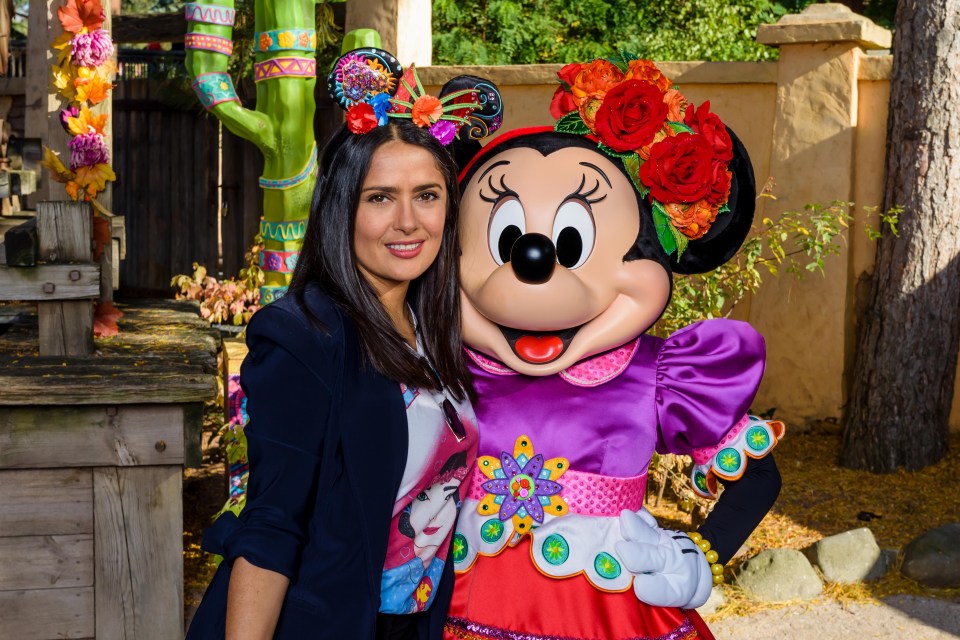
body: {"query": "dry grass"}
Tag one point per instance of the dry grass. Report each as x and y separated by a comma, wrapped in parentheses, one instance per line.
(821, 499)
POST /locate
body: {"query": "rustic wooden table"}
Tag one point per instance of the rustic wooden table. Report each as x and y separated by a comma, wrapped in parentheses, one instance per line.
(92, 450)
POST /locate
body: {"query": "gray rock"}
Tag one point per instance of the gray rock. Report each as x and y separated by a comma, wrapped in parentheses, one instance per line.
(933, 557)
(848, 557)
(713, 603)
(776, 575)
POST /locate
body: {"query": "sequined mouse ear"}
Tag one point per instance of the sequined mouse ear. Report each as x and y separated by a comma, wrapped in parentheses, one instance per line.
(485, 113)
(363, 74)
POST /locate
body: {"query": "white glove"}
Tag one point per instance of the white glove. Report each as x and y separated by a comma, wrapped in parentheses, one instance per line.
(669, 569)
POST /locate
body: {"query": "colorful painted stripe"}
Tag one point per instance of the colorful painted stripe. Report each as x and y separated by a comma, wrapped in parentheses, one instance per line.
(270, 294)
(284, 68)
(209, 14)
(205, 42)
(283, 231)
(300, 178)
(214, 88)
(286, 40)
(278, 261)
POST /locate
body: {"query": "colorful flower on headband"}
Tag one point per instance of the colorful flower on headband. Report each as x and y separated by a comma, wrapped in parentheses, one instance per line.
(444, 131)
(361, 118)
(428, 111)
(675, 154)
(381, 105)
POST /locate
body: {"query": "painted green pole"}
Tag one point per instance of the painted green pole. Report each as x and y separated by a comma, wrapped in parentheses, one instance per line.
(281, 126)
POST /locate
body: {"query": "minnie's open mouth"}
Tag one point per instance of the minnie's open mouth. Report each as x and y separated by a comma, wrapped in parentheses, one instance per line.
(538, 347)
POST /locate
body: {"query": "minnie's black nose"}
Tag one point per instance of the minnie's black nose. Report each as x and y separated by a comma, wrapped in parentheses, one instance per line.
(533, 257)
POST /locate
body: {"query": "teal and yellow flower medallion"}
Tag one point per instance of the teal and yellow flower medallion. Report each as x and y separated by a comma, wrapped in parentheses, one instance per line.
(555, 549)
(606, 565)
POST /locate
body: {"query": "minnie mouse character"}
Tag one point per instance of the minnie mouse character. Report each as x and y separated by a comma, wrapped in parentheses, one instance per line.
(570, 236)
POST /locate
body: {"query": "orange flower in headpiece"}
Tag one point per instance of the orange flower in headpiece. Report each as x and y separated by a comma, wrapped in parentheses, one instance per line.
(426, 111)
(598, 77)
(648, 72)
(692, 220)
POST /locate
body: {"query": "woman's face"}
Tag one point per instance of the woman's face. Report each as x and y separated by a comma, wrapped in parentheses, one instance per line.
(400, 216)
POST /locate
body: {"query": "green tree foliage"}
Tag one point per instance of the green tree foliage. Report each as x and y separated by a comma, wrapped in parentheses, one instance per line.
(543, 31)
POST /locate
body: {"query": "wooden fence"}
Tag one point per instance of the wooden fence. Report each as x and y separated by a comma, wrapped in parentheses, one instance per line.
(165, 158)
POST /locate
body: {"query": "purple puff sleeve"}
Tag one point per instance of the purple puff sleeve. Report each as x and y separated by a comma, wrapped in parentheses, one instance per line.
(707, 377)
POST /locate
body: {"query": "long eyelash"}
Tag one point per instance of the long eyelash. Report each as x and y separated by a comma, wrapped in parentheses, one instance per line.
(499, 194)
(584, 196)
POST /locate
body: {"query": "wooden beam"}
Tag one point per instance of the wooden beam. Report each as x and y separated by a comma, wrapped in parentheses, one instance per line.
(129, 387)
(66, 235)
(38, 437)
(138, 514)
(46, 502)
(48, 613)
(46, 562)
(69, 282)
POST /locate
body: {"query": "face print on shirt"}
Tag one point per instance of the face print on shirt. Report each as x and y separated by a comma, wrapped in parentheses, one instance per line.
(431, 516)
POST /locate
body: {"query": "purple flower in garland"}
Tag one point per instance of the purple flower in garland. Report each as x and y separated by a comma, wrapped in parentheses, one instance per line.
(444, 131)
(66, 114)
(523, 487)
(87, 150)
(91, 49)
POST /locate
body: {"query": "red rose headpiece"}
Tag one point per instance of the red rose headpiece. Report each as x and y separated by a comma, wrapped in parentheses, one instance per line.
(675, 154)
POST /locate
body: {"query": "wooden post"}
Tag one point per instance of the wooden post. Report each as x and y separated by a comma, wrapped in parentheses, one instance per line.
(107, 258)
(65, 231)
(43, 107)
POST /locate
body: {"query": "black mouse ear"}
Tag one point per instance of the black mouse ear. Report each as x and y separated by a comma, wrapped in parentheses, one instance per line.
(359, 75)
(730, 228)
(483, 119)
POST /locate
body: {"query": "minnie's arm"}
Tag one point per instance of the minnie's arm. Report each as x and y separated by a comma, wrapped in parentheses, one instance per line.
(741, 507)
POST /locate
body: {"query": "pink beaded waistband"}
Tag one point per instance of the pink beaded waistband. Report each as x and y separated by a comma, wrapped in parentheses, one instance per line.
(587, 494)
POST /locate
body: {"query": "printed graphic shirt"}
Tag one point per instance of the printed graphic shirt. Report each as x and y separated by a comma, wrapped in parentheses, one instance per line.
(428, 502)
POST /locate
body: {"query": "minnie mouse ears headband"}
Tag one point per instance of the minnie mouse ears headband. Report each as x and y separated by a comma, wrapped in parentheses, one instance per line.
(677, 155)
(371, 86)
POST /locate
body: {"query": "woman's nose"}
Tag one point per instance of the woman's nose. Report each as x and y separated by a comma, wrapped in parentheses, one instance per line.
(533, 258)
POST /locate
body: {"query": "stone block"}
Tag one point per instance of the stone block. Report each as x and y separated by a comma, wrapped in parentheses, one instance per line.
(828, 22)
(777, 575)
(848, 557)
(933, 557)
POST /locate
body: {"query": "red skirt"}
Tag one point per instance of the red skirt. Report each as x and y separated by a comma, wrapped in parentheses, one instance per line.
(507, 598)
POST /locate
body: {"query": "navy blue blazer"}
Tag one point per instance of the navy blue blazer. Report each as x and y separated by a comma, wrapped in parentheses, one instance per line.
(327, 443)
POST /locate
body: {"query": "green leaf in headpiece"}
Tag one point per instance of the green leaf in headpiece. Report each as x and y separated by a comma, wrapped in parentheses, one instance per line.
(670, 238)
(571, 123)
(616, 154)
(632, 164)
(679, 127)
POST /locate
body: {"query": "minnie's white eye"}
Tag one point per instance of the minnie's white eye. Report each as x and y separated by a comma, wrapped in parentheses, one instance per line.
(573, 234)
(506, 227)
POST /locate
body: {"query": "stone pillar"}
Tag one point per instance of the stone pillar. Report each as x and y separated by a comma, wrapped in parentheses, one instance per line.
(404, 26)
(815, 125)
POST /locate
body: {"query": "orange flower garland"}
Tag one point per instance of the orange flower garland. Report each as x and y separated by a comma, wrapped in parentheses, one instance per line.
(83, 77)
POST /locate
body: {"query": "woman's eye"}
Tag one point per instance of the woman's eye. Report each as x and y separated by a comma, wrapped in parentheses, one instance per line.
(506, 227)
(573, 234)
(422, 496)
(429, 196)
(378, 198)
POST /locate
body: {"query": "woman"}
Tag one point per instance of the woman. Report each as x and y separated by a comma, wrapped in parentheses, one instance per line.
(358, 396)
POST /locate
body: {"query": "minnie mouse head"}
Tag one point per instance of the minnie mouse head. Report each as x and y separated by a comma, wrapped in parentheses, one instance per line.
(571, 233)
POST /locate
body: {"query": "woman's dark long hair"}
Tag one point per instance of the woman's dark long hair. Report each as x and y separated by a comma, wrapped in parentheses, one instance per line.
(327, 257)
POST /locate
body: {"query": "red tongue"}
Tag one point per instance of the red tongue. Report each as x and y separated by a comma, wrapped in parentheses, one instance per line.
(538, 350)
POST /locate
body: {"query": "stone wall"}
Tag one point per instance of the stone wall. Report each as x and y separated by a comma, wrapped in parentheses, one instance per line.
(815, 122)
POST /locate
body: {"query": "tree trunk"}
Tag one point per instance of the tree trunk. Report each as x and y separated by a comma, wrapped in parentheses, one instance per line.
(907, 344)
